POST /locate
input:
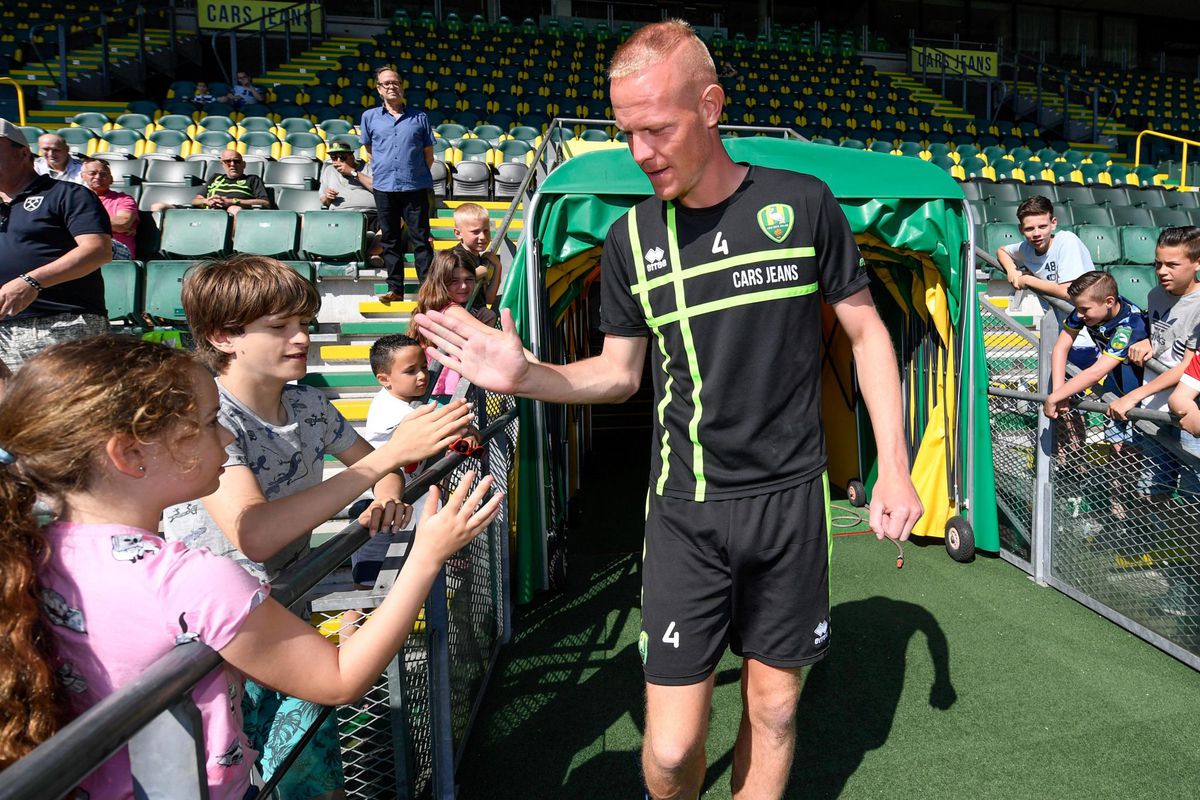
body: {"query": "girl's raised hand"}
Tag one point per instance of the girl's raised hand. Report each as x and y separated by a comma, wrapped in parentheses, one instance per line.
(442, 533)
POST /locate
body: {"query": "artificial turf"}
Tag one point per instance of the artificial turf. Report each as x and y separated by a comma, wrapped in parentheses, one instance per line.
(944, 680)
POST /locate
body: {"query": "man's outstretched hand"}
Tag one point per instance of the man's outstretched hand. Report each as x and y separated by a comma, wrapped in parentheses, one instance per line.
(493, 359)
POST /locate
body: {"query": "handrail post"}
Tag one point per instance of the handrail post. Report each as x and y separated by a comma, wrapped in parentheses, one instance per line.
(1183, 169)
(141, 35)
(1095, 113)
(287, 36)
(262, 45)
(62, 58)
(172, 26)
(308, 25)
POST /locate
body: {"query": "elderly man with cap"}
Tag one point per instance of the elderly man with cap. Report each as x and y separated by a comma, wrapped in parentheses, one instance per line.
(346, 183)
(56, 237)
(56, 159)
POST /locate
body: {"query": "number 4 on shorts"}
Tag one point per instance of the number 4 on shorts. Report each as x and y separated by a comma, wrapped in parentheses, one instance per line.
(671, 637)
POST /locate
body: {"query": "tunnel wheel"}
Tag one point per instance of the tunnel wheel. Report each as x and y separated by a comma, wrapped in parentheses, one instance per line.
(960, 539)
(856, 493)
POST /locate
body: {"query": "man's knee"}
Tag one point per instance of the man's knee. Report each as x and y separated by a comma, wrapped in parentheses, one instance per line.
(771, 698)
(672, 753)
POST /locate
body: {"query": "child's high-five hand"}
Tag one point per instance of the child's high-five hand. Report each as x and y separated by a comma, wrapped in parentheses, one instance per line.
(441, 534)
(428, 431)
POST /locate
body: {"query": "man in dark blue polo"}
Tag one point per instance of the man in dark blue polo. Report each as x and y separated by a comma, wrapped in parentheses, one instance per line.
(400, 142)
(54, 237)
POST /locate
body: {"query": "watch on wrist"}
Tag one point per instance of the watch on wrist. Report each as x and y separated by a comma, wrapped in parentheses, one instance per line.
(353, 173)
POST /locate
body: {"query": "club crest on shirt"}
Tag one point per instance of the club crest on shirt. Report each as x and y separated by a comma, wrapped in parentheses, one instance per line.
(32, 203)
(776, 221)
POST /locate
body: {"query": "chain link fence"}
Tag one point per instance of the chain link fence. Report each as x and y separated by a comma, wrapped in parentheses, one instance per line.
(1106, 512)
(405, 737)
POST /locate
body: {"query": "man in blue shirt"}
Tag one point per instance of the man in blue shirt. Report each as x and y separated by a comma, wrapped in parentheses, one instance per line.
(54, 237)
(399, 140)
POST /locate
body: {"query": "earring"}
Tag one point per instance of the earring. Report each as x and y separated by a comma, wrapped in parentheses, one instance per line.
(141, 469)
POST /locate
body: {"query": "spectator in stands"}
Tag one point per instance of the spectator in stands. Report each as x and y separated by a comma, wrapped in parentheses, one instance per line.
(399, 139)
(56, 236)
(56, 159)
(250, 318)
(232, 191)
(122, 208)
(202, 95)
(346, 183)
(244, 91)
(1174, 317)
(124, 428)
(473, 229)
(1047, 262)
(448, 289)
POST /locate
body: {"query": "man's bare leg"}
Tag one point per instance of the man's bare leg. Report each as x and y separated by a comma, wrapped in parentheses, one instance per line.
(673, 749)
(762, 755)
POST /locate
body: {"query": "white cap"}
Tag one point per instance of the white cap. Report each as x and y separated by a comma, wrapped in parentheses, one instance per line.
(12, 133)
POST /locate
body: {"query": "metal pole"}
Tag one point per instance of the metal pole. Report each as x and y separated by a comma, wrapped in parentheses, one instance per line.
(308, 26)
(1095, 113)
(141, 35)
(172, 25)
(104, 50)
(287, 36)
(62, 59)
(262, 46)
(1043, 498)
(233, 55)
(440, 724)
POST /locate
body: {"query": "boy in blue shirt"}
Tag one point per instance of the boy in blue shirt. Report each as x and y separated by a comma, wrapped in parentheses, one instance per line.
(1114, 324)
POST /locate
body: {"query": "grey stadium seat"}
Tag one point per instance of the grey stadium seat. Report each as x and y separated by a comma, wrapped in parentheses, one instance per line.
(472, 179)
(508, 179)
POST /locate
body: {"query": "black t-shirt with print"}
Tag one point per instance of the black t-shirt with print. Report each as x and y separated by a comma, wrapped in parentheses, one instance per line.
(732, 303)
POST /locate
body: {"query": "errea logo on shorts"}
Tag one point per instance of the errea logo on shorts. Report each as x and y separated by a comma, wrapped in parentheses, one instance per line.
(654, 259)
(822, 633)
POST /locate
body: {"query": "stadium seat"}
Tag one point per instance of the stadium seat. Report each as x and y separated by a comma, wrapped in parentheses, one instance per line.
(441, 178)
(212, 143)
(333, 127)
(136, 122)
(1081, 195)
(1102, 242)
(1089, 215)
(1170, 217)
(289, 198)
(175, 195)
(1134, 282)
(508, 179)
(260, 143)
(164, 284)
(263, 124)
(174, 122)
(514, 150)
(472, 179)
(1138, 244)
(126, 172)
(999, 234)
(167, 144)
(295, 174)
(122, 289)
(218, 123)
(93, 120)
(1002, 192)
(266, 233)
(492, 134)
(335, 237)
(308, 145)
(1132, 215)
(176, 173)
(294, 124)
(1186, 200)
(81, 141)
(473, 150)
(194, 233)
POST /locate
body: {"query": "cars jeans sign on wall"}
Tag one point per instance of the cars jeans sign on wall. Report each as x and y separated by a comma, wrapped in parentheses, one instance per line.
(978, 63)
(225, 14)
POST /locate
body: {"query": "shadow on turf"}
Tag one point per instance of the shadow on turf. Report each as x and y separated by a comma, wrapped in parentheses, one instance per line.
(849, 700)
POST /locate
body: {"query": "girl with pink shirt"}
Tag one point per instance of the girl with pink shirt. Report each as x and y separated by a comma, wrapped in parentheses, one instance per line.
(447, 288)
(123, 429)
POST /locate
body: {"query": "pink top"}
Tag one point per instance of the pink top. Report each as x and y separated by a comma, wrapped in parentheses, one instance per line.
(447, 380)
(119, 598)
(119, 201)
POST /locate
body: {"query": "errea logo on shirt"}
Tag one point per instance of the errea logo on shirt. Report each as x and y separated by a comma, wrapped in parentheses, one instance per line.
(32, 203)
(654, 259)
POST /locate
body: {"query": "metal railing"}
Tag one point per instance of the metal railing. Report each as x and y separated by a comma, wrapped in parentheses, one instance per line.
(273, 20)
(156, 718)
(20, 97)
(1137, 153)
(1061, 82)
(1106, 512)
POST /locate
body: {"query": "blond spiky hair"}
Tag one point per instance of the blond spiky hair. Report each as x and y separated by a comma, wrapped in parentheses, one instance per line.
(652, 45)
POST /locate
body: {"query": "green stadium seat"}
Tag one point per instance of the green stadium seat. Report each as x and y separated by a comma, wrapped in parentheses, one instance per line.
(260, 143)
(333, 127)
(1138, 244)
(122, 289)
(214, 122)
(492, 134)
(167, 144)
(81, 141)
(126, 172)
(164, 285)
(267, 233)
(1132, 215)
(1170, 217)
(194, 233)
(305, 270)
(999, 234)
(474, 150)
(295, 174)
(513, 150)
(257, 124)
(1089, 215)
(288, 198)
(135, 122)
(308, 145)
(332, 236)
(525, 133)
(1187, 200)
(120, 140)
(1080, 195)
(1102, 242)
(91, 119)
(295, 124)
(212, 143)
(1134, 282)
